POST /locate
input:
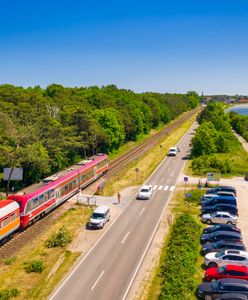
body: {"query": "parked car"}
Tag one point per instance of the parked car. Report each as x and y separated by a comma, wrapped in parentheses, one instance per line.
(228, 271)
(211, 290)
(217, 207)
(226, 227)
(222, 245)
(145, 192)
(222, 217)
(231, 296)
(220, 235)
(219, 200)
(225, 193)
(227, 257)
(222, 188)
(210, 197)
(100, 216)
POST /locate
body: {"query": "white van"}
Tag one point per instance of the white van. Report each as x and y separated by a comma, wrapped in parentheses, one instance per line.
(100, 216)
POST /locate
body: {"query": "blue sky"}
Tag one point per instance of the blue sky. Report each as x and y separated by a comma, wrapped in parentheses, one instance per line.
(163, 46)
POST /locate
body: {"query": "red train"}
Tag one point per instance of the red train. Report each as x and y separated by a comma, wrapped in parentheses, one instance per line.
(38, 199)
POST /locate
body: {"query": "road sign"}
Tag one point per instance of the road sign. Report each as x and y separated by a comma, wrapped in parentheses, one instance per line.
(17, 174)
(213, 176)
(186, 178)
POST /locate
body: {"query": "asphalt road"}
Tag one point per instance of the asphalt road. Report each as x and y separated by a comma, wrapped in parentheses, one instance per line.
(107, 271)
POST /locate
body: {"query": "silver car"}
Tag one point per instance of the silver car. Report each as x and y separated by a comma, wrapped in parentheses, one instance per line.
(145, 192)
(222, 258)
(220, 217)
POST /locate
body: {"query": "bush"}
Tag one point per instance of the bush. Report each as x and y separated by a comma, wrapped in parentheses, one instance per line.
(35, 266)
(195, 196)
(59, 239)
(180, 261)
(9, 293)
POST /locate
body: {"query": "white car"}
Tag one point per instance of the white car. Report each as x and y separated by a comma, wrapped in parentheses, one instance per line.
(145, 192)
(173, 151)
(222, 258)
(220, 217)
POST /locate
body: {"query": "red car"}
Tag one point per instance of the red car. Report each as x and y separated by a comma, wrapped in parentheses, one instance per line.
(228, 271)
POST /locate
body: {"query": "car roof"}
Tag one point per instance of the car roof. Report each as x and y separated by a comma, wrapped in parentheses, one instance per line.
(227, 242)
(231, 296)
(235, 281)
(233, 233)
(237, 268)
(101, 209)
(223, 212)
(173, 148)
(145, 187)
(238, 252)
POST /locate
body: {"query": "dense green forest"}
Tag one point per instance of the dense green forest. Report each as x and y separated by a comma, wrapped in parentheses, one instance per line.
(240, 124)
(46, 130)
(214, 146)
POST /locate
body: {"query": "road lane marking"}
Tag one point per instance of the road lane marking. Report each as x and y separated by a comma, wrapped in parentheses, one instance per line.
(172, 188)
(162, 179)
(166, 188)
(123, 241)
(142, 211)
(97, 280)
(155, 186)
(160, 187)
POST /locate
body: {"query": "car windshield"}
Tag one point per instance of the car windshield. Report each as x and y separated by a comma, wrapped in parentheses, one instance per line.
(97, 216)
(221, 269)
(144, 190)
(219, 254)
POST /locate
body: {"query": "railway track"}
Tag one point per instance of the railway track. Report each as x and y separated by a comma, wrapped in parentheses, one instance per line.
(21, 238)
(117, 164)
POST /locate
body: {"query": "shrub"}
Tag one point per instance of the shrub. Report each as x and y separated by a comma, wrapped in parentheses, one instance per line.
(179, 263)
(35, 266)
(195, 196)
(9, 293)
(59, 239)
(10, 260)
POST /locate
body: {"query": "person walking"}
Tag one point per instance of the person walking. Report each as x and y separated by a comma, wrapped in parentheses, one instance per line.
(119, 197)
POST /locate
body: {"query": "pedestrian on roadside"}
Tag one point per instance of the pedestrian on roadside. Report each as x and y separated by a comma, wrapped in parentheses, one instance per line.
(119, 197)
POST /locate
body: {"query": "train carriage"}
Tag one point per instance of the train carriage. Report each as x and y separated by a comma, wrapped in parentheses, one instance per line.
(39, 199)
(9, 218)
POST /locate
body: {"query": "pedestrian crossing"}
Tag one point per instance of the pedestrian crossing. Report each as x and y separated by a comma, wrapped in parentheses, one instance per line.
(163, 188)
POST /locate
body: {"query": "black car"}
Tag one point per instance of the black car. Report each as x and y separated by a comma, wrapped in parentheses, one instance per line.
(223, 245)
(222, 188)
(231, 296)
(220, 235)
(225, 227)
(220, 207)
(219, 200)
(211, 290)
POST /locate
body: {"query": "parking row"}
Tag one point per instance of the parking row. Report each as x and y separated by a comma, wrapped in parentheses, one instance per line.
(225, 256)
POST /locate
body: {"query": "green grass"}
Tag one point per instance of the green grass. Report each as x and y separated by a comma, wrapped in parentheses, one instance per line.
(177, 207)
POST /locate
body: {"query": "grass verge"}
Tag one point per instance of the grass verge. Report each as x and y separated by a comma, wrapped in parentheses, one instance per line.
(178, 207)
(57, 261)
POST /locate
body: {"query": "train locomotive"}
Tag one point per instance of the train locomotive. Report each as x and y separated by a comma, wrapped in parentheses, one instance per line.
(24, 208)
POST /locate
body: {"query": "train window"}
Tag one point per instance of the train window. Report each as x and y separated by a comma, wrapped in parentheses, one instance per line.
(28, 207)
(46, 196)
(5, 222)
(51, 194)
(66, 189)
(70, 186)
(41, 199)
(12, 217)
(35, 203)
(74, 184)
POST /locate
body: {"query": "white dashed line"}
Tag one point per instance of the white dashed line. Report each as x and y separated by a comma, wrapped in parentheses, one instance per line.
(123, 241)
(172, 188)
(97, 280)
(155, 186)
(142, 211)
(160, 187)
(166, 188)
